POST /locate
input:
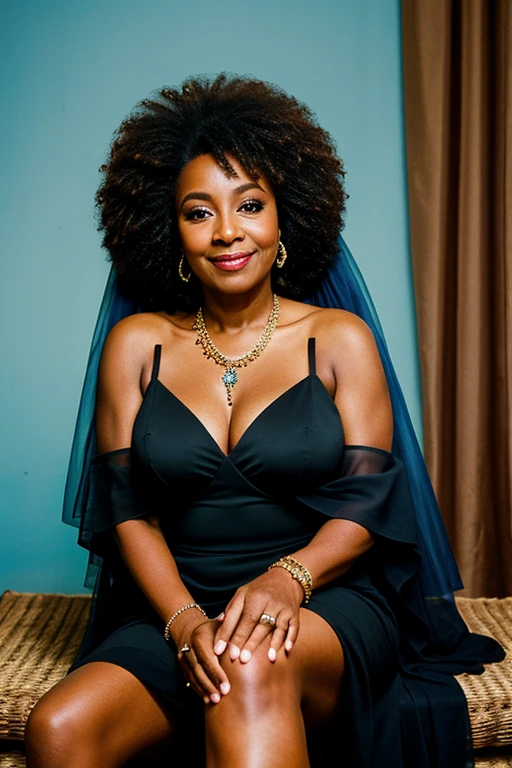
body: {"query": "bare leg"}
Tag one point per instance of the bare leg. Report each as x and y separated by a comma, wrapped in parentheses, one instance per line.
(99, 715)
(261, 722)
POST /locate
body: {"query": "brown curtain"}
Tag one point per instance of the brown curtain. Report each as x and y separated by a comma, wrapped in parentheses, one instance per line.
(458, 105)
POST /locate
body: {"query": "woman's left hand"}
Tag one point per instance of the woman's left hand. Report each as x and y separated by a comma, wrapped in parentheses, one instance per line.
(274, 593)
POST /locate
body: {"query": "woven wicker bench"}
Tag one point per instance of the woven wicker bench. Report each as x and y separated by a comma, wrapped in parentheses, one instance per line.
(40, 635)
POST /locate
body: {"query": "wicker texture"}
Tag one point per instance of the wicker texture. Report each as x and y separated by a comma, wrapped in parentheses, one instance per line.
(12, 759)
(489, 695)
(493, 761)
(40, 635)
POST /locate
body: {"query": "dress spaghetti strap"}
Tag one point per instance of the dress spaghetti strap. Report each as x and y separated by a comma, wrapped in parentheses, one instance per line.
(156, 361)
(311, 356)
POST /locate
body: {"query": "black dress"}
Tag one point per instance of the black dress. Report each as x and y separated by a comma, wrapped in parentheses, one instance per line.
(228, 517)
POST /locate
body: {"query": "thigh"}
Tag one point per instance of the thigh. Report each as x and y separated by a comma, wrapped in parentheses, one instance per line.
(98, 709)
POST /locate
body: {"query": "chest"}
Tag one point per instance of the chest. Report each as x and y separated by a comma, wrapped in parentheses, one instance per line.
(296, 441)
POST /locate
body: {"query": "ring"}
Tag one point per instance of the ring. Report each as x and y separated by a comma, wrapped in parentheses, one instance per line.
(185, 648)
(267, 619)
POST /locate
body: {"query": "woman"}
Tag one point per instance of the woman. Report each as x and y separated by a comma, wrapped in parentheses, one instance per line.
(258, 541)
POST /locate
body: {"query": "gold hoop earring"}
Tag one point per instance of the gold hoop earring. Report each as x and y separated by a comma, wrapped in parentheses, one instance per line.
(184, 277)
(281, 254)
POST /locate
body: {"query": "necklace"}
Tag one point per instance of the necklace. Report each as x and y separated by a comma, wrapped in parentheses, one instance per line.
(230, 376)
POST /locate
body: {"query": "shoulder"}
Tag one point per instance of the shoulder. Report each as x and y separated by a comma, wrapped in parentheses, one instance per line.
(137, 331)
(342, 325)
(342, 335)
(336, 324)
(348, 348)
(131, 342)
(144, 325)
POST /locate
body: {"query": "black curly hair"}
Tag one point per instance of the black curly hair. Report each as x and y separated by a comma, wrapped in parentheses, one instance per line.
(268, 132)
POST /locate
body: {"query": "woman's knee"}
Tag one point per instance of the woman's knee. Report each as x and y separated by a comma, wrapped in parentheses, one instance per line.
(53, 731)
(260, 680)
(98, 715)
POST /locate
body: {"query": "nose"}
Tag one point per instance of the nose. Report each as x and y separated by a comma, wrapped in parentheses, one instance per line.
(227, 228)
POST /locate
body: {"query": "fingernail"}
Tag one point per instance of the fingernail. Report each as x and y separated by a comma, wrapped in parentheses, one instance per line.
(288, 645)
(272, 654)
(225, 688)
(206, 700)
(221, 616)
(234, 652)
(245, 655)
(215, 697)
(219, 647)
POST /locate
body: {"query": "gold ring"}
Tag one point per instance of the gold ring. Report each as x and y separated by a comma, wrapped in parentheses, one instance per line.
(267, 619)
(185, 648)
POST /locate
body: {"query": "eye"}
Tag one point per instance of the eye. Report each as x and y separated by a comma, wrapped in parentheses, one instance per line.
(197, 214)
(251, 206)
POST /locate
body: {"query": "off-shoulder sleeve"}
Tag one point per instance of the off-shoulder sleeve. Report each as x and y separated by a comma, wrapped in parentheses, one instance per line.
(112, 498)
(372, 490)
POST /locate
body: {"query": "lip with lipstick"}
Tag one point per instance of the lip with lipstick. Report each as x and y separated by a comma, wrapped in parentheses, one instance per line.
(232, 261)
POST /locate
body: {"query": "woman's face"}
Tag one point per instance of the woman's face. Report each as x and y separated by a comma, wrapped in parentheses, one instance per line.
(227, 225)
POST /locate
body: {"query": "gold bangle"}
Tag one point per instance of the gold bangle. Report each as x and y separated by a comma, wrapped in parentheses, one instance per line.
(167, 630)
(298, 572)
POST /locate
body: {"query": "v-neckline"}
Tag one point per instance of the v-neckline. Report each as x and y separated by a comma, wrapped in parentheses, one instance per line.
(307, 378)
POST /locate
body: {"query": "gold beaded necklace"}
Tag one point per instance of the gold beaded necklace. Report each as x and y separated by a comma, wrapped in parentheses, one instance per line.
(230, 376)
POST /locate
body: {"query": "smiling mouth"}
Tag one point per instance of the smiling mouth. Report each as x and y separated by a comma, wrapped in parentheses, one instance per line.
(232, 261)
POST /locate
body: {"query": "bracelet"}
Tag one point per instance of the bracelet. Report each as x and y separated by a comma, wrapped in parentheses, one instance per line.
(298, 572)
(167, 630)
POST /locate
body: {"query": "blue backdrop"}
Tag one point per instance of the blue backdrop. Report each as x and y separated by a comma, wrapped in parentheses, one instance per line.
(72, 70)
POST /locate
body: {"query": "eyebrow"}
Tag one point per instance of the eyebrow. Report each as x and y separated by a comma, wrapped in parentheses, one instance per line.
(205, 196)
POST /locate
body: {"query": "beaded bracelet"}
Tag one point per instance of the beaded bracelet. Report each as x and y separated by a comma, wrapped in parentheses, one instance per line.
(167, 630)
(298, 572)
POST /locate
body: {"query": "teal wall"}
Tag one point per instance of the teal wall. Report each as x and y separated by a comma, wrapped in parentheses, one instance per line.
(71, 72)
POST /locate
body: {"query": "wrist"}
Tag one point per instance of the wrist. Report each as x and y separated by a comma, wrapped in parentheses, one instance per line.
(184, 625)
(176, 615)
(286, 584)
(298, 572)
(289, 583)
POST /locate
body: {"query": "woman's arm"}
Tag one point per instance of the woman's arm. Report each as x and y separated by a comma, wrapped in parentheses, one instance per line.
(124, 370)
(362, 398)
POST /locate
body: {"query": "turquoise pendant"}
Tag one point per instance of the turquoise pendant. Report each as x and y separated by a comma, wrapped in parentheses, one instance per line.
(230, 378)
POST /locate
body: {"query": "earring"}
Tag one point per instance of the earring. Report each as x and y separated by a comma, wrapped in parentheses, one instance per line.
(184, 277)
(281, 253)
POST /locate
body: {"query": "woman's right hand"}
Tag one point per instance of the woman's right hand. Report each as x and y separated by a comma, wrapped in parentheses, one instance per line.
(200, 665)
